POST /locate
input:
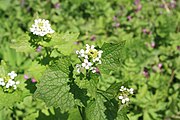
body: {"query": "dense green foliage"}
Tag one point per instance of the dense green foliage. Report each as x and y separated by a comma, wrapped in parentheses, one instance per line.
(141, 50)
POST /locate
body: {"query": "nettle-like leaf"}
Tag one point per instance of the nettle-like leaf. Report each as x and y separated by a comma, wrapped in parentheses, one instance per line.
(64, 42)
(53, 87)
(8, 99)
(121, 115)
(112, 57)
(89, 85)
(22, 44)
(96, 109)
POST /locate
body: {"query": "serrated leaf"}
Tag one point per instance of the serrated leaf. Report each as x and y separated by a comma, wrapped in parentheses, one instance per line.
(64, 42)
(53, 87)
(8, 99)
(22, 44)
(95, 109)
(32, 71)
(121, 115)
(69, 43)
(90, 85)
(112, 57)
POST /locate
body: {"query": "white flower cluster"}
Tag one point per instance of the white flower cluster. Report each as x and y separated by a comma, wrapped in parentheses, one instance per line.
(89, 57)
(8, 82)
(41, 27)
(125, 92)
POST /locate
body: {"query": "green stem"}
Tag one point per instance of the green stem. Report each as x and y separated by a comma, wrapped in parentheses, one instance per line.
(82, 112)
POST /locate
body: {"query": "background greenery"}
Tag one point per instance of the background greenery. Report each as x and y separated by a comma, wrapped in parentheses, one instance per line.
(151, 29)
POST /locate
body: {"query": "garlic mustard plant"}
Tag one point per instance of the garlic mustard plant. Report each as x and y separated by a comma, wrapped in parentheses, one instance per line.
(124, 94)
(90, 58)
(8, 82)
(41, 27)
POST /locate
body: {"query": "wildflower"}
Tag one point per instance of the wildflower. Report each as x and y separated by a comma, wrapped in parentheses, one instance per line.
(2, 83)
(26, 77)
(33, 80)
(93, 53)
(153, 44)
(129, 18)
(160, 65)
(93, 69)
(90, 57)
(81, 53)
(123, 88)
(78, 68)
(41, 27)
(39, 48)
(124, 94)
(12, 74)
(9, 82)
(86, 64)
(131, 90)
(124, 99)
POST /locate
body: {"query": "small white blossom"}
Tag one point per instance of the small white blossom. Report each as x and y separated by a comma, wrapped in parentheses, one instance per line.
(2, 83)
(123, 88)
(93, 69)
(124, 99)
(12, 74)
(17, 82)
(125, 93)
(41, 27)
(90, 57)
(89, 48)
(78, 68)
(131, 90)
(9, 82)
(86, 64)
(15, 87)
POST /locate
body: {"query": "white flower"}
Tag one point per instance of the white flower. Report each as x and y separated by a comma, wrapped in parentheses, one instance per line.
(88, 48)
(2, 83)
(15, 87)
(131, 90)
(17, 82)
(11, 82)
(120, 97)
(123, 88)
(78, 68)
(100, 53)
(12, 74)
(93, 69)
(124, 99)
(86, 64)
(82, 53)
(41, 27)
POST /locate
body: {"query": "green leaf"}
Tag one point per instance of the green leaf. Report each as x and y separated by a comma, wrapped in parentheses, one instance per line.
(112, 57)
(8, 99)
(53, 87)
(90, 85)
(32, 71)
(64, 42)
(22, 44)
(121, 115)
(95, 109)
(69, 43)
